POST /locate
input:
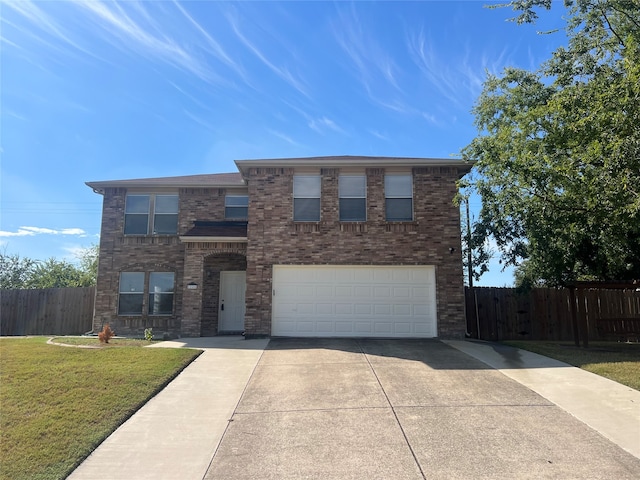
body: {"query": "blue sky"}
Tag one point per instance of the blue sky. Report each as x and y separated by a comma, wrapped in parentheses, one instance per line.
(101, 91)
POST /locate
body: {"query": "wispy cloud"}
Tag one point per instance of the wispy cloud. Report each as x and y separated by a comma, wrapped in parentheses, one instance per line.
(33, 231)
(379, 135)
(322, 124)
(13, 114)
(40, 19)
(433, 68)
(214, 46)
(371, 61)
(200, 121)
(318, 124)
(281, 71)
(144, 36)
(460, 79)
(284, 137)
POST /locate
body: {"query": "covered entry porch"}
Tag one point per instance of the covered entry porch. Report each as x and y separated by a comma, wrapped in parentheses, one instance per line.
(214, 280)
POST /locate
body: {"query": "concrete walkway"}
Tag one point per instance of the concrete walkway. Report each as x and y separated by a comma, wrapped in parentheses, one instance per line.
(175, 435)
(270, 413)
(610, 408)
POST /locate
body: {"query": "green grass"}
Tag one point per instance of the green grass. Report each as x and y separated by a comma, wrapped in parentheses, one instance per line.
(614, 360)
(95, 342)
(59, 403)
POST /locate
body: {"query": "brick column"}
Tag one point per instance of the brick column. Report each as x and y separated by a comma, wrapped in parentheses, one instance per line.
(192, 297)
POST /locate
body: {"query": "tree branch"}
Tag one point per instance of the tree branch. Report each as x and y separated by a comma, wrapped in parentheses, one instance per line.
(606, 19)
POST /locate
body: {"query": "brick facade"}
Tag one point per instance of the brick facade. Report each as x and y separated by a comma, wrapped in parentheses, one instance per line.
(432, 238)
(428, 240)
(195, 311)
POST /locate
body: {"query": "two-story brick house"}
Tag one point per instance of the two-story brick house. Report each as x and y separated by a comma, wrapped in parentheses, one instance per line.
(323, 246)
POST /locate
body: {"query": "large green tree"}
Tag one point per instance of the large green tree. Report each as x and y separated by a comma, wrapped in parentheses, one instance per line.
(558, 151)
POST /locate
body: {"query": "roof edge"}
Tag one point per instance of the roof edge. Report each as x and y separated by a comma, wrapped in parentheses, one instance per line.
(194, 238)
(357, 160)
(186, 181)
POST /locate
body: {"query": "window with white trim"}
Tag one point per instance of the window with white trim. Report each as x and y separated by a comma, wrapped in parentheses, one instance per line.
(160, 290)
(352, 190)
(236, 206)
(398, 192)
(306, 198)
(139, 221)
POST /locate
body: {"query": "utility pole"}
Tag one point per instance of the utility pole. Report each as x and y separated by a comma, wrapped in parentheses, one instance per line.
(469, 255)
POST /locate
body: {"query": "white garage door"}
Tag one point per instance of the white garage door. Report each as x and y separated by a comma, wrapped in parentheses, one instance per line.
(354, 301)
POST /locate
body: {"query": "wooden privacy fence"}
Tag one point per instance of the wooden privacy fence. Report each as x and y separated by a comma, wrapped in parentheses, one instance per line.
(544, 313)
(50, 311)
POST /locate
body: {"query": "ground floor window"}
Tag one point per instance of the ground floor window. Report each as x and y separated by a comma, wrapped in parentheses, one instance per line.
(160, 287)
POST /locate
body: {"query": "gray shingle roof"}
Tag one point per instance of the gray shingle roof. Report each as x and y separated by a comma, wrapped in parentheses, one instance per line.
(186, 181)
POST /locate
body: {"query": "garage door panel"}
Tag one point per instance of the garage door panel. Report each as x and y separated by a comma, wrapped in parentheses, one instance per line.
(402, 310)
(354, 301)
(344, 291)
(401, 292)
(362, 309)
(402, 328)
(382, 310)
(324, 309)
(344, 327)
(344, 309)
(360, 291)
(324, 327)
(382, 291)
(383, 328)
(343, 276)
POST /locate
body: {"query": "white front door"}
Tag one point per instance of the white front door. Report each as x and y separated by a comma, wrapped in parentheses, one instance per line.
(231, 302)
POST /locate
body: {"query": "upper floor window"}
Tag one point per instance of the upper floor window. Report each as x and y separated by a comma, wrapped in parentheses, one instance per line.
(306, 198)
(236, 206)
(398, 192)
(139, 221)
(160, 293)
(353, 198)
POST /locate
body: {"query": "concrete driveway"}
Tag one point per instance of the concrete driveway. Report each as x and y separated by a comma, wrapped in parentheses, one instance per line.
(393, 409)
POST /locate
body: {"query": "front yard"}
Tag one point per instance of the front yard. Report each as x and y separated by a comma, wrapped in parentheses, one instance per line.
(58, 403)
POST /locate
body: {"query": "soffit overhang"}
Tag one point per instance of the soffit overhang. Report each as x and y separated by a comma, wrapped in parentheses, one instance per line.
(462, 166)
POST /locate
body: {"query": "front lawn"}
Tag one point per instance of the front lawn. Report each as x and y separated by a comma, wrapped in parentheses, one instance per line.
(59, 403)
(617, 361)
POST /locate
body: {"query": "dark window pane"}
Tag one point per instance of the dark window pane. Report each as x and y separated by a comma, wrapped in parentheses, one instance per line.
(130, 304)
(136, 224)
(165, 224)
(306, 209)
(160, 304)
(236, 200)
(236, 212)
(399, 209)
(353, 209)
